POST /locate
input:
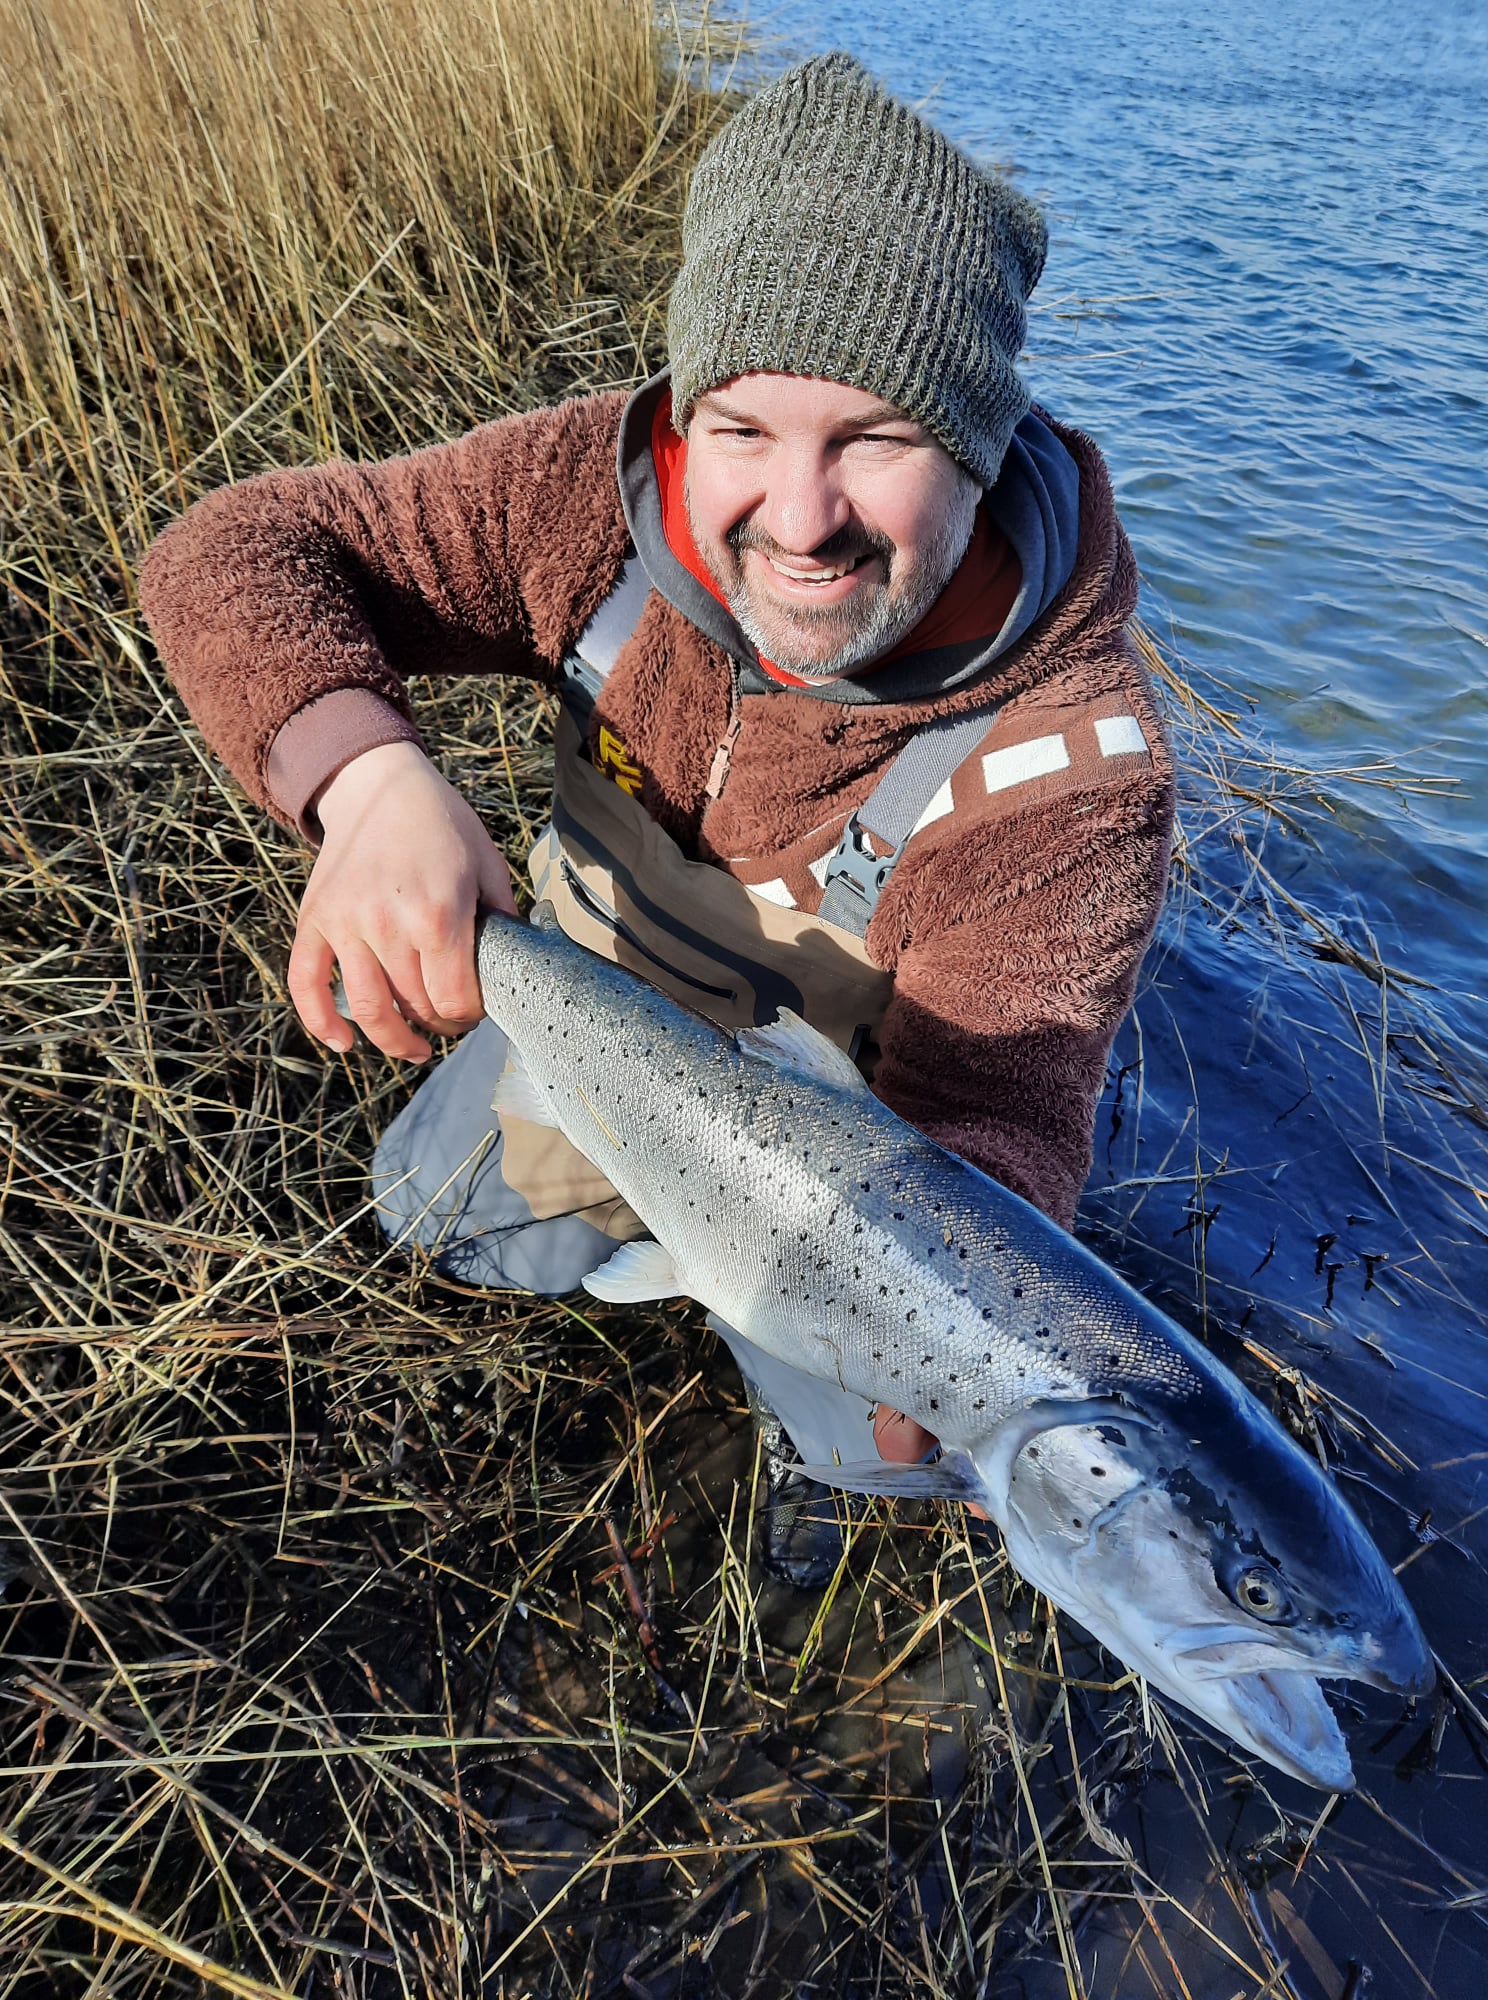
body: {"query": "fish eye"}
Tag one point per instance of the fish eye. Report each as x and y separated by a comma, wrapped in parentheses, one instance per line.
(1258, 1591)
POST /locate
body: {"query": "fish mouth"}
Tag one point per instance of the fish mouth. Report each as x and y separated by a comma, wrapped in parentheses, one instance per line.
(1283, 1715)
(1268, 1698)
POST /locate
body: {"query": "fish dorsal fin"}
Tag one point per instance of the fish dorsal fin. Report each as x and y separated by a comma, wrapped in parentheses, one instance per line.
(637, 1272)
(952, 1477)
(791, 1043)
(520, 1095)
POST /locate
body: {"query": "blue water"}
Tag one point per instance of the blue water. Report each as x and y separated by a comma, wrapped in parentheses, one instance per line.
(1267, 298)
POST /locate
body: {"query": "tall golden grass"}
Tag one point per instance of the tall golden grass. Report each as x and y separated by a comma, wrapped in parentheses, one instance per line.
(251, 229)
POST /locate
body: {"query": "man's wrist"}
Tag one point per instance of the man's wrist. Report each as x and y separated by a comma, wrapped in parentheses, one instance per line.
(319, 741)
(347, 791)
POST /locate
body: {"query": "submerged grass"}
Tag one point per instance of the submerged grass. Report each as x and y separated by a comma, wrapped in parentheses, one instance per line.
(365, 1636)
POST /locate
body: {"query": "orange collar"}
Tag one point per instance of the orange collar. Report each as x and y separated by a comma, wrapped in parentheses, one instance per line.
(974, 604)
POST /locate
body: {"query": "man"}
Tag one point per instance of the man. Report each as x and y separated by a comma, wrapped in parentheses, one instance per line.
(852, 721)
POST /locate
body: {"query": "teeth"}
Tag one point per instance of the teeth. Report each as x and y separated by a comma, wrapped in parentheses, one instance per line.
(812, 575)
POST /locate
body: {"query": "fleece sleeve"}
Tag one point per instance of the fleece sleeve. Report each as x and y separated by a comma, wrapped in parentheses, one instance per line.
(484, 555)
(1017, 967)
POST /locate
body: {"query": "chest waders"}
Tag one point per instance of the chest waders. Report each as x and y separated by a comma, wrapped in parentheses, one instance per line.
(622, 887)
(510, 1203)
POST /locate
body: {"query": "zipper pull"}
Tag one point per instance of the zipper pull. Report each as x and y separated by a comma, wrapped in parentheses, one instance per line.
(718, 770)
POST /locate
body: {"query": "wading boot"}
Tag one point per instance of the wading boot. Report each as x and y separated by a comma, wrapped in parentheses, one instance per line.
(802, 1523)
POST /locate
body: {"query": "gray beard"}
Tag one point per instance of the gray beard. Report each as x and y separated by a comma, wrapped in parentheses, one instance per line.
(897, 605)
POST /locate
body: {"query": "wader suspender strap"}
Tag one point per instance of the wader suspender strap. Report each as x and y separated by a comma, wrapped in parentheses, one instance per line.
(856, 874)
(586, 668)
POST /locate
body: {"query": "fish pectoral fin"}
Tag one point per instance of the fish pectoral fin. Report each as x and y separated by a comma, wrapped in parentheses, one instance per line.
(520, 1095)
(791, 1043)
(637, 1272)
(950, 1478)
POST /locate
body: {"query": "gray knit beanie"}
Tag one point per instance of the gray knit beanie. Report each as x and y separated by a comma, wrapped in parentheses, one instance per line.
(831, 231)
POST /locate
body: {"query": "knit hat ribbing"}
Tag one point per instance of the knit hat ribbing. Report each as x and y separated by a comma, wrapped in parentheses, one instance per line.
(831, 231)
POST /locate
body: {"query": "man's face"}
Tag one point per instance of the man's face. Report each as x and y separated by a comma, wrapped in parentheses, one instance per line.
(830, 521)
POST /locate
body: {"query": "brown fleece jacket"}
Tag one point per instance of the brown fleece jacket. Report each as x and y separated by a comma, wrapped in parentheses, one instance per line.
(1014, 928)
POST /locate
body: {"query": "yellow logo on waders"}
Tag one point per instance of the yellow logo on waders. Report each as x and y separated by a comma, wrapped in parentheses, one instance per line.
(616, 762)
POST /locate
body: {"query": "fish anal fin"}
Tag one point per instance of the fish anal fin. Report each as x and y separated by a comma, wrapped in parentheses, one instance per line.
(636, 1273)
(791, 1043)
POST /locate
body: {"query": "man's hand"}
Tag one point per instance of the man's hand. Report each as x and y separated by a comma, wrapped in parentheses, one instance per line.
(392, 901)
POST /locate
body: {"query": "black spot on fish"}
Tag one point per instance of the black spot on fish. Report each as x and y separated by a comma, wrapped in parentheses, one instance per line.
(1033, 1451)
(1097, 1472)
(980, 1403)
(1017, 1291)
(935, 1402)
(913, 1313)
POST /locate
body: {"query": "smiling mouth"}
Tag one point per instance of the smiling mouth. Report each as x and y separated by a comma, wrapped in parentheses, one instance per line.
(816, 575)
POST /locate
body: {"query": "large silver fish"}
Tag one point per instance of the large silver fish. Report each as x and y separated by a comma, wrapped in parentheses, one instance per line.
(1134, 1479)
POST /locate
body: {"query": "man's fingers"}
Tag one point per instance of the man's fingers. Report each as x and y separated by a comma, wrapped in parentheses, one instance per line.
(448, 966)
(899, 1439)
(372, 1001)
(310, 963)
(448, 960)
(495, 883)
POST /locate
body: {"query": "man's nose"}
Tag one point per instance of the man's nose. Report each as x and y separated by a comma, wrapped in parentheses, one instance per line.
(803, 504)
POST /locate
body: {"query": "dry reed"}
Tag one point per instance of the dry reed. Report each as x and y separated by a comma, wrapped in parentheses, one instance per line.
(365, 1636)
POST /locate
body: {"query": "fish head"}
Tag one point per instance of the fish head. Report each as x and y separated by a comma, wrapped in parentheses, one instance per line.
(1204, 1548)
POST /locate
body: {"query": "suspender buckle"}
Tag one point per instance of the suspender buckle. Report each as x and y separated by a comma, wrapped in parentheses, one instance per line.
(578, 685)
(854, 879)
